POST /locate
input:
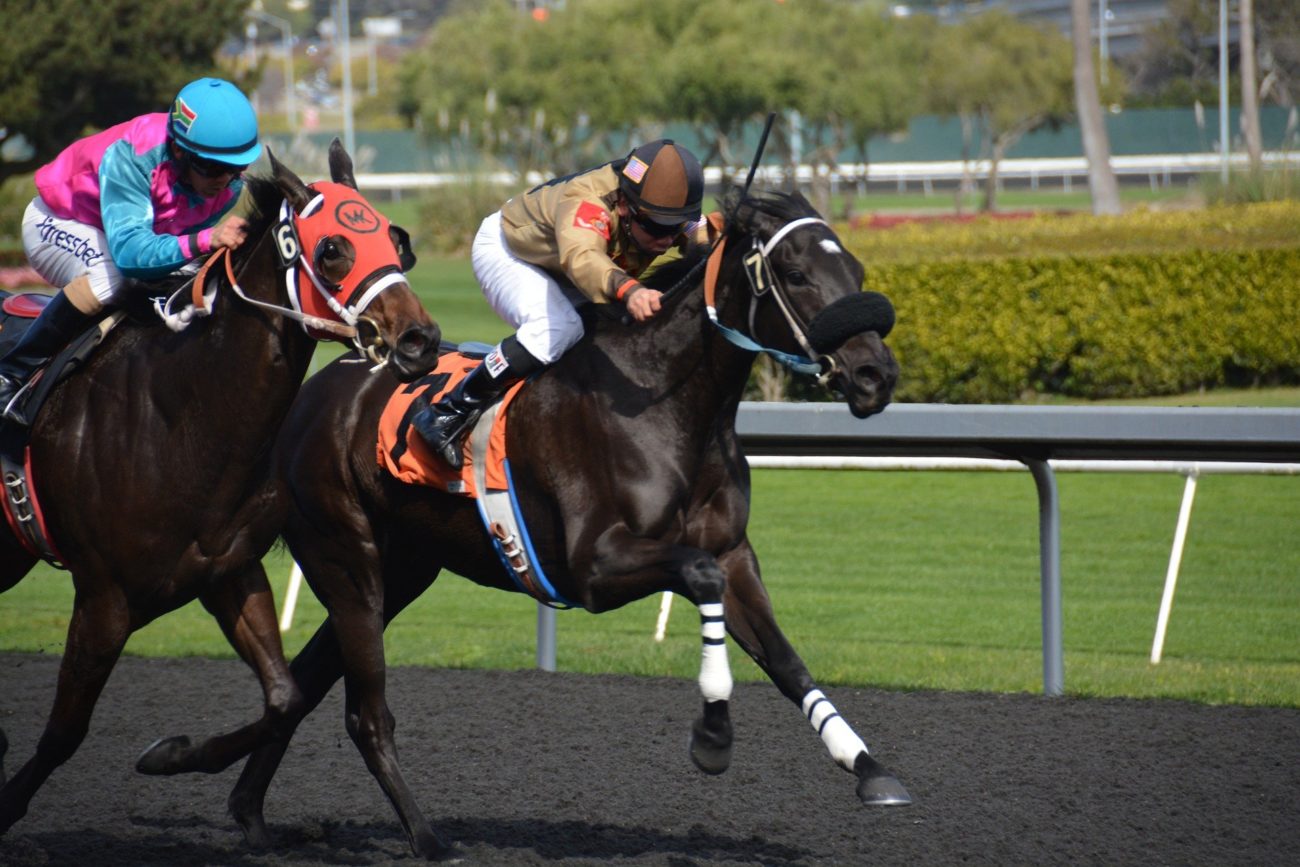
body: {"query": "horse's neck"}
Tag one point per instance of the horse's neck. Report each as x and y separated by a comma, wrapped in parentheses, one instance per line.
(241, 355)
(676, 359)
(262, 333)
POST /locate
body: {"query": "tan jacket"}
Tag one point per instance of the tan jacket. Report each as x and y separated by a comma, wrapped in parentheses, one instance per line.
(570, 227)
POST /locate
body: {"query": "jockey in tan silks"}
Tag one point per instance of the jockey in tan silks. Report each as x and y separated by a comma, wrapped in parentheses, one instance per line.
(593, 232)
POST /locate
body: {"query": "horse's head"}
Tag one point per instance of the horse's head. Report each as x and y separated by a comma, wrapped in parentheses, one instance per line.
(806, 296)
(350, 264)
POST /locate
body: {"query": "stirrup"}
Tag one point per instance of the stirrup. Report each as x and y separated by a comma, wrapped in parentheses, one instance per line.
(11, 409)
(445, 438)
(452, 449)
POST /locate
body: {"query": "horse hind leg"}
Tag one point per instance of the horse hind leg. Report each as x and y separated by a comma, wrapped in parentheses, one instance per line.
(371, 724)
(359, 657)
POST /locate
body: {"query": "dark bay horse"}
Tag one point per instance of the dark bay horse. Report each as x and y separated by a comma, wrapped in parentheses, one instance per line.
(152, 463)
(629, 476)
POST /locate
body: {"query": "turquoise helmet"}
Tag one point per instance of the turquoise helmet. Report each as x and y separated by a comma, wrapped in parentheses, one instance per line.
(212, 118)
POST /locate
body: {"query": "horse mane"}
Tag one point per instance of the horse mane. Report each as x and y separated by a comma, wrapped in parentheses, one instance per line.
(740, 208)
(743, 212)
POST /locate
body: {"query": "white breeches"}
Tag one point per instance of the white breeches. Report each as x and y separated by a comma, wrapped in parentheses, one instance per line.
(529, 299)
(62, 250)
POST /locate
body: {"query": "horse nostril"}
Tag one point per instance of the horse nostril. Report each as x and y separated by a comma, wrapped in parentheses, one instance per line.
(417, 341)
(869, 373)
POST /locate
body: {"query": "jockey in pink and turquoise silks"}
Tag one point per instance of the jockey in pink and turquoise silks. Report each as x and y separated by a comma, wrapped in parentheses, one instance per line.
(137, 200)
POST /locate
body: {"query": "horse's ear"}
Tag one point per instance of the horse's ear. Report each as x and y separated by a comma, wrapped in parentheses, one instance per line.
(798, 198)
(341, 165)
(290, 184)
(402, 241)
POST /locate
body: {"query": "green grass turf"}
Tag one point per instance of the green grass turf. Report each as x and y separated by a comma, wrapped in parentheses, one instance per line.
(899, 580)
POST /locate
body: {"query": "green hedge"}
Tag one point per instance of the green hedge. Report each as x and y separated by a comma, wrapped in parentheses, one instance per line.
(1092, 324)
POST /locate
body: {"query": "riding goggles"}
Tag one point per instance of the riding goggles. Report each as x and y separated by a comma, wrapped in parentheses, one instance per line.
(214, 168)
(659, 230)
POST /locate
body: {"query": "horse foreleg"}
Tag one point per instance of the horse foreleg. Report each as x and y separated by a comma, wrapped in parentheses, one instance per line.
(96, 634)
(753, 626)
(242, 604)
(371, 725)
(17, 564)
(315, 669)
(632, 566)
(711, 734)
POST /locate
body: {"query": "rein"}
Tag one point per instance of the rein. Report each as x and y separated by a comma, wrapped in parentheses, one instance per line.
(202, 300)
(298, 276)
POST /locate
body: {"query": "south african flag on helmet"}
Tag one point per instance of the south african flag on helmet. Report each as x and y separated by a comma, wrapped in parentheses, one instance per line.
(183, 116)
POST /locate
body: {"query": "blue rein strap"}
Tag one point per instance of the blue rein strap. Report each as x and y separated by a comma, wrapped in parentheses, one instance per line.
(797, 363)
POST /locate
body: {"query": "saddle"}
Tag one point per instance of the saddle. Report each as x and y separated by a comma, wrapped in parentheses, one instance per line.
(485, 476)
(17, 312)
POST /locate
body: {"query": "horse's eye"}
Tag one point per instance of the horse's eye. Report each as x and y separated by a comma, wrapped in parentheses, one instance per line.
(796, 278)
(330, 250)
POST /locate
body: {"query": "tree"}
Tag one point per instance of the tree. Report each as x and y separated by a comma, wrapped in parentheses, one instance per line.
(516, 90)
(69, 66)
(1007, 76)
(1249, 91)
(1178, 61)
(855, 78)
(724, 70)
(1277, 36)
(1092, 124)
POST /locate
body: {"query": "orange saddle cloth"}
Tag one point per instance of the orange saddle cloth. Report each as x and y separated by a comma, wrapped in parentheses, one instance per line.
(403, 452)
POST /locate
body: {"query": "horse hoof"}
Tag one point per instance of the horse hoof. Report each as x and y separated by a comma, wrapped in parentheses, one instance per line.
(709, 752)
(247, 813)
(711, 738)
(256, 834)
(711, 761)
(431, 847)
(877, 787)
(163, 756)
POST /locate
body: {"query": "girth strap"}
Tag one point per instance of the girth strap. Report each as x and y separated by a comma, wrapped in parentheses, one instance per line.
(21, 508)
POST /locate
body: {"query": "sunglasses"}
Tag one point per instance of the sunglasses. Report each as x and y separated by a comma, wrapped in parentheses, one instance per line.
(214, 168)
(657, 230)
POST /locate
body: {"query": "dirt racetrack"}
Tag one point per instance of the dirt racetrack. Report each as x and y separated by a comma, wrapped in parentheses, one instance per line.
(558, 769)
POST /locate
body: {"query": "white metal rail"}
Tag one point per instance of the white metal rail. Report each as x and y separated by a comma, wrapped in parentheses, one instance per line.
(1039, 438)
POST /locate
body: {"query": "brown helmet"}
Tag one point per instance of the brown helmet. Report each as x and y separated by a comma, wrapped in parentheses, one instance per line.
(663, 182)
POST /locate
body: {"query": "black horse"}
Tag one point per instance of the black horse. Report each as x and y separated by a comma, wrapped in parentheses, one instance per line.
(152, 463)
(629, 476)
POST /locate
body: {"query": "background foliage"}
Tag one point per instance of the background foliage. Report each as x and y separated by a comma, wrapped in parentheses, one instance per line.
(70, 67)
(1141, 304)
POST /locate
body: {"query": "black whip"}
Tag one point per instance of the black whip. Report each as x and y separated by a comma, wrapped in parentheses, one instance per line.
(758, 154)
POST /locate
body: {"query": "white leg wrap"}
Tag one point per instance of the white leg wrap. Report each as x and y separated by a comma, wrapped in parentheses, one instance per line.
(715, 672)
(840, 739)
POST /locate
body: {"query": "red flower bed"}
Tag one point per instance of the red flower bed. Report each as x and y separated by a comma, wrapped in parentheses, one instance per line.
(889, 221)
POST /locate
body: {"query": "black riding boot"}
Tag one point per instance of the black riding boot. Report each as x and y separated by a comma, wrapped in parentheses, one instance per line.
(54, 329)
(444, 424)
